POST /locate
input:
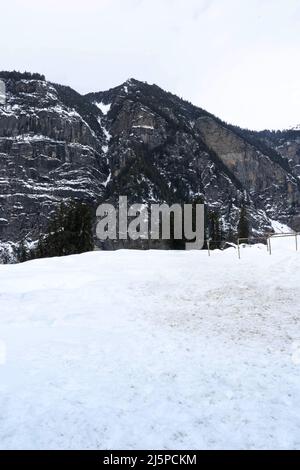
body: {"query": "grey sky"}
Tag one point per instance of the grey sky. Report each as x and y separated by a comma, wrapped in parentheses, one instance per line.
(239, 59)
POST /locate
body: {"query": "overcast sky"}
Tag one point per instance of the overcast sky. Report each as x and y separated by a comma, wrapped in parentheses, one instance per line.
(239, 59)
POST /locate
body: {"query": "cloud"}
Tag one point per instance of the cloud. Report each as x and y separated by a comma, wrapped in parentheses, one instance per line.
(237, 59)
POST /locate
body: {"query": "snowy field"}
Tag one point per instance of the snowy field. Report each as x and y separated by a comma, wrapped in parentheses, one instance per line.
(154, 350)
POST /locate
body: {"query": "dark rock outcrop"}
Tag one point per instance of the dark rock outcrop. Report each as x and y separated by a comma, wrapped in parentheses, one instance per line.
(140, 141)
(48, 153)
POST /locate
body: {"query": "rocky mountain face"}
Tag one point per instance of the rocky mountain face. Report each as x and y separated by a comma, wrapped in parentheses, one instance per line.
(140, 141)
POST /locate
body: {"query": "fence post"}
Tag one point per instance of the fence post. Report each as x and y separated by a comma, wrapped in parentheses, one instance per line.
(208, 249)
(270, 246)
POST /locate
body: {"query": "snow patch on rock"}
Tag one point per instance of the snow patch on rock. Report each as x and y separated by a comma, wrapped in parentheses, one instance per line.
(278, 227)
(104, 108)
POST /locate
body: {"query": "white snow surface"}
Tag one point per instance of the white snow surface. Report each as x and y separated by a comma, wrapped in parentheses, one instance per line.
(152, 349)
(104, 108)
(143, 127)
(279, 227)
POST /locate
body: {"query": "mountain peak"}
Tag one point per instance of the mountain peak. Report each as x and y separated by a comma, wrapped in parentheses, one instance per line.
(139, 140)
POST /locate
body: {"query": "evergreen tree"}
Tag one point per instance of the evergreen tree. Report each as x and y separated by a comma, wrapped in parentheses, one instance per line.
(215, 232)
(176, 244)
(69, 232)
(180, 244)
(200, 200)
(243, 225)
(22, 253)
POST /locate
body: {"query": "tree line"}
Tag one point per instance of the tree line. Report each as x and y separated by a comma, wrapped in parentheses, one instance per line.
(70, 231)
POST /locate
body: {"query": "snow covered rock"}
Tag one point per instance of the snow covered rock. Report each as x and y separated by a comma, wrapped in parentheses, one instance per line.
(140, 141)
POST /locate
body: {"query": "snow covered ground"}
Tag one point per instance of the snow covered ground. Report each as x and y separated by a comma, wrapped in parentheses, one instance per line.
(168, 350)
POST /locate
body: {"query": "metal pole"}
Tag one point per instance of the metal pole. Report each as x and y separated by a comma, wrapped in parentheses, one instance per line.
(296, 237)
(239, 250)
(208, 242)
(270, 246)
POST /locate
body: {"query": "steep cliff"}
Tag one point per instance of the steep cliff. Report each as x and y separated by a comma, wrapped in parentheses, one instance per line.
(48, 152)
(180, 152)
(140, 141)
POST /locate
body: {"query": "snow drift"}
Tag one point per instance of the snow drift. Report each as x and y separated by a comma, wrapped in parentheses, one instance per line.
(167, 350)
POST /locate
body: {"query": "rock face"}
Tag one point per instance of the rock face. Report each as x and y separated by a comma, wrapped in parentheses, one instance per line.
(140, 141)
(48, 152)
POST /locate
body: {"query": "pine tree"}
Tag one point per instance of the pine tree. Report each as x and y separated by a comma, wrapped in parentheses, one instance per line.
(22, 253)
(215, 232)
(176, 244)
(70, 231)
(243, 225)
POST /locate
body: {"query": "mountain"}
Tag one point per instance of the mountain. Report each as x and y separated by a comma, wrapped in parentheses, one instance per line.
(136, 140)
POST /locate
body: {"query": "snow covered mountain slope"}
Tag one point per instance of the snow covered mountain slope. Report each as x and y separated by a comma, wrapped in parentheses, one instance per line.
(168, 350)
(136, 140)
(50, 150)
(164, 148)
